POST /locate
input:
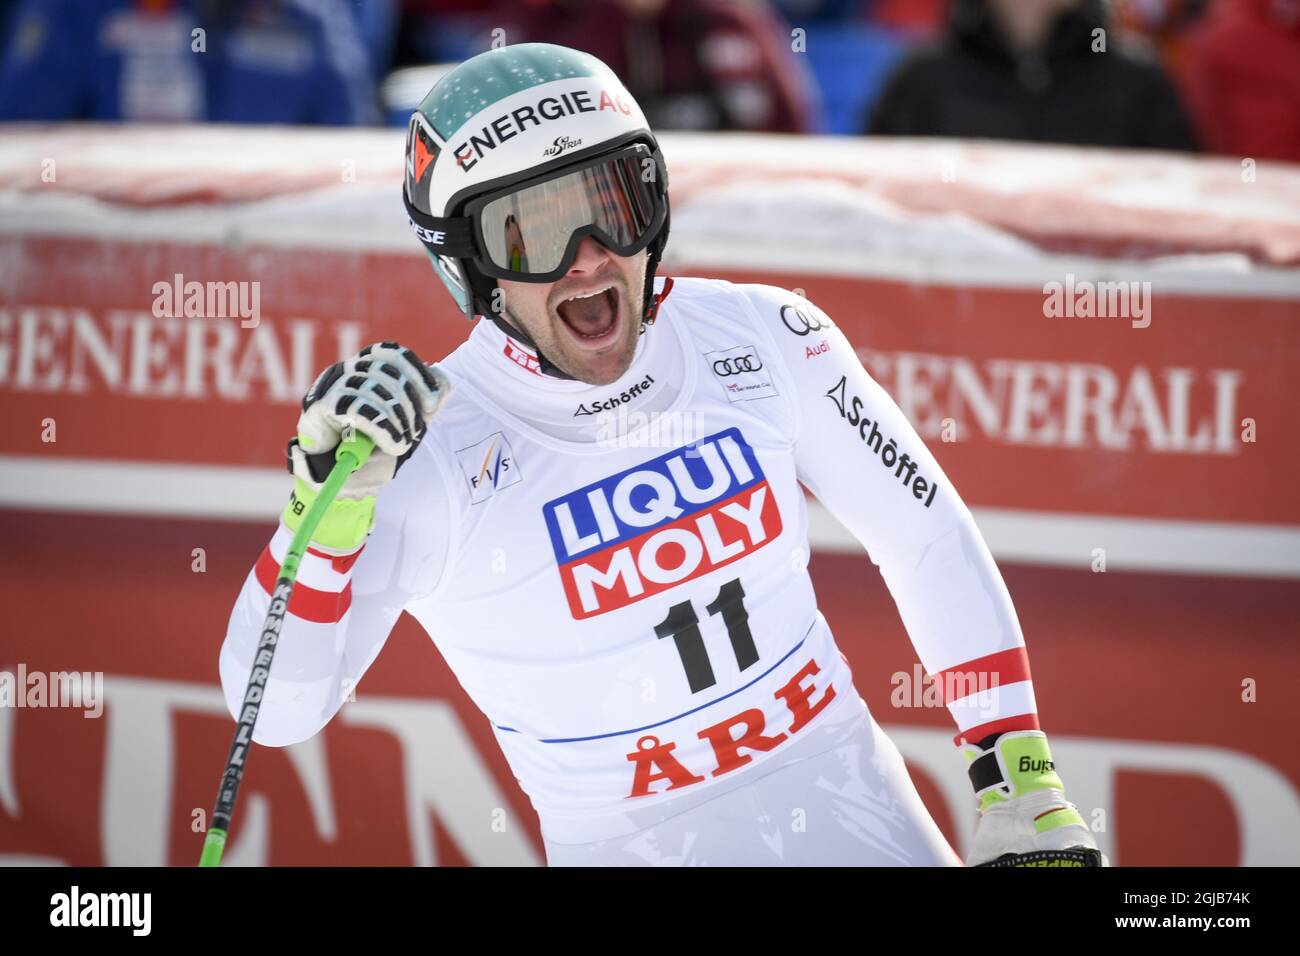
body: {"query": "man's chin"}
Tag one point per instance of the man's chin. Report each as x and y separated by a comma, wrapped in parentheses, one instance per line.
(599, 366)
(598, 369)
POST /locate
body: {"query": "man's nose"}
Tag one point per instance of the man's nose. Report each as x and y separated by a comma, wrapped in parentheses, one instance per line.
(592, 257)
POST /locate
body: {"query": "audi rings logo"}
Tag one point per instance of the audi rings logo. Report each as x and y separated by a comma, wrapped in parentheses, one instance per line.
(802, 321)
(741, 374)
(737, 365)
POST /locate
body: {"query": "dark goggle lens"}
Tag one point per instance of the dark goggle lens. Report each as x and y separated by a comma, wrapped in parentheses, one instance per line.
(528, 231)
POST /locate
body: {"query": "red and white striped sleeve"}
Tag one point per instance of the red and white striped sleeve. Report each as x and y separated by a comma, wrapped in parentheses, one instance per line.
(322, 592)
(342, 609)
(856, 451)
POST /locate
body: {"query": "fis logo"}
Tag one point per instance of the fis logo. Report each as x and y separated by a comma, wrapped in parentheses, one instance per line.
(649, 528)
(489, 466)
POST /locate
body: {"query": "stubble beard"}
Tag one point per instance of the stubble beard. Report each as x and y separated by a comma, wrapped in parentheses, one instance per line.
(584, 367)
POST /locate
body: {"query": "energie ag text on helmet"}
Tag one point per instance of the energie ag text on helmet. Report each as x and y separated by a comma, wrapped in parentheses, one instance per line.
(509, 125)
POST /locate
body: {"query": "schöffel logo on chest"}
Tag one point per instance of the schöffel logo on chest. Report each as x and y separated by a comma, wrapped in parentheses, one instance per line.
(649, 528)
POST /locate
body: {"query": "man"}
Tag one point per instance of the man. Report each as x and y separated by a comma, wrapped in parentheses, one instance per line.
(1049, 71)
(691, 64)
(598, 520)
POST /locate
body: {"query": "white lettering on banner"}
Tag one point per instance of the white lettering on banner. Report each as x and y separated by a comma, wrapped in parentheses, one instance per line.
(1266, 804)
(444, 773)
(442, 770)
(1066, 404)
(1018, 402)
(135, 353)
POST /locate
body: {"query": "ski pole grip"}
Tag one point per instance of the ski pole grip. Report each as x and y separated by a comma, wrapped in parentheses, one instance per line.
(355, 445)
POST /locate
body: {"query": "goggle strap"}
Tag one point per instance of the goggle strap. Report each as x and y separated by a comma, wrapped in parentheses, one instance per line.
(448, 235)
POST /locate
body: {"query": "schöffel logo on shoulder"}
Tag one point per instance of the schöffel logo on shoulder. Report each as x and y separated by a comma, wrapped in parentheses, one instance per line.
(489, 466)
(649, 528)
(741, 372)
(903, 465)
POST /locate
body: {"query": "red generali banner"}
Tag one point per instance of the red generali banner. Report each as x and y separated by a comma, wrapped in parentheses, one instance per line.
(1098, 347)
(1184, 419)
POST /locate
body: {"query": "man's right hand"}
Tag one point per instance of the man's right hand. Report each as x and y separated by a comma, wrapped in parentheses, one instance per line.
(386, 393)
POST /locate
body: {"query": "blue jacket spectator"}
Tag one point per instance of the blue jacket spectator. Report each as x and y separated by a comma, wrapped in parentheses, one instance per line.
(229, 61)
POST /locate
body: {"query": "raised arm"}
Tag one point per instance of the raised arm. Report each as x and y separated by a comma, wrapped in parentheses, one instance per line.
(856, 451)
(383, 543)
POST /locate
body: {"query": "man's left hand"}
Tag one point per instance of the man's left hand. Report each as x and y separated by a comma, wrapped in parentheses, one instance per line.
(1025, 819)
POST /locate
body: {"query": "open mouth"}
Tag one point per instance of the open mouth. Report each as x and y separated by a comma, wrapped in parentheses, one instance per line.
(592, 316)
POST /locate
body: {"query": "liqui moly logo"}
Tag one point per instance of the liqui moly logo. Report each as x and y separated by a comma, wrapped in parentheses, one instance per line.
(673, 518)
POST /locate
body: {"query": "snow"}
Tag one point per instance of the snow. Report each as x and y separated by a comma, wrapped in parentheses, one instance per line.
(931, 209)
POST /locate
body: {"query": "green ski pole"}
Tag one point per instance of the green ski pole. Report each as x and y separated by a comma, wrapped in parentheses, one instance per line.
(351, 454)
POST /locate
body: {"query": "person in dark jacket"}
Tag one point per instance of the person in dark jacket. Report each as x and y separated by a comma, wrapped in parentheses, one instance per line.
(1039, 70)
(690, 64)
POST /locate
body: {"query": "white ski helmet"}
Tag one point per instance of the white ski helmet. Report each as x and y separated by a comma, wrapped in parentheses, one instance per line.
(496, 154)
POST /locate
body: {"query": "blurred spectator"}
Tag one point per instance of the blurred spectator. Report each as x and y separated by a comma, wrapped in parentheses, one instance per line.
(825, 11)
(918, 17)
(7, 10)
(1164, 24)
(850, 63)
(377, 24)
(853, 47)
(921, 17)
(235, 61)
(441, 31)
(1027, 70)
(691, 64)
(1242, 78)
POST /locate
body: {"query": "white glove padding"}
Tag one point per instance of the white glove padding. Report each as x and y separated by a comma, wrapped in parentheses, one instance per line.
(1010, 826)
(387, 394)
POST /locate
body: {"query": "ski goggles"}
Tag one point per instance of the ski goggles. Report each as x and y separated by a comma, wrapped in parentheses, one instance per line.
(530, 232)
